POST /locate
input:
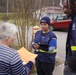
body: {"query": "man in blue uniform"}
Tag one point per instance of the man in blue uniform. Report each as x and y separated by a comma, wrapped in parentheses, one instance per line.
(45, 43)
(70, 9)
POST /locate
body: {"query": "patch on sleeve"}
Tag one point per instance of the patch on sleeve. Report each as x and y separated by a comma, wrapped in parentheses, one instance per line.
(74, 26)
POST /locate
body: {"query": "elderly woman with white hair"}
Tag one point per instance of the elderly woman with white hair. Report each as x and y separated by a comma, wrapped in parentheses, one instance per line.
(10, 62)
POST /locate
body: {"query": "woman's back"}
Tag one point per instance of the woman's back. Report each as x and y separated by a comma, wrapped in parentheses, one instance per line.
(8, 59)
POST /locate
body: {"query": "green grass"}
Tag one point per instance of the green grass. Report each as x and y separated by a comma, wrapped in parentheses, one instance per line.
(15, 46)
(4, 16)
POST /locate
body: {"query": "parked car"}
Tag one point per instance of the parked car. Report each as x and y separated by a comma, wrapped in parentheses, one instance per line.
(61, 22)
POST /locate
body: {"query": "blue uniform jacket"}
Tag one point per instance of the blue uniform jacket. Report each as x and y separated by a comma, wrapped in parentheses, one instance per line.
(48, 43)
(71, 45)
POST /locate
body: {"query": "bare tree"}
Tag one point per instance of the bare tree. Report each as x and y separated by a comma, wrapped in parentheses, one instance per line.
(23, 16)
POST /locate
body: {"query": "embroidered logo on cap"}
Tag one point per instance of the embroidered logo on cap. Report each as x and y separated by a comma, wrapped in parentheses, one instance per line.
(43, 20)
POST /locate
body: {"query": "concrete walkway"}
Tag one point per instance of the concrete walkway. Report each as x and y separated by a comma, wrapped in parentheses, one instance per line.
(58, 70)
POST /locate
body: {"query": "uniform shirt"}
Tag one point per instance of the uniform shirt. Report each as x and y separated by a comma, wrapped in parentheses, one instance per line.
(45, 38)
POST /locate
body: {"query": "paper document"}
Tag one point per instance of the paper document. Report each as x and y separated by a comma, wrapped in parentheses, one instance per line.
(26, 55)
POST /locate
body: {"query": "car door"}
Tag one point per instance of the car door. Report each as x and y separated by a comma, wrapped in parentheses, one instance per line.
(59, 22)
(62, 22)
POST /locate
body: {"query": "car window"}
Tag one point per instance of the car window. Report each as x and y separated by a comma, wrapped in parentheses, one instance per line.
(65, 18)
(60, 18)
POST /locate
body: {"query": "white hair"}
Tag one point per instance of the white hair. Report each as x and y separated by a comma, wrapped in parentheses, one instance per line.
(7, 29)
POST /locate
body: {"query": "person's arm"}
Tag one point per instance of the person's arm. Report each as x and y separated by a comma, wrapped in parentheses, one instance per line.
(34, 41)
(67, 57)
(18, 68)
(73, 47)
(52, 45)
(35, 45)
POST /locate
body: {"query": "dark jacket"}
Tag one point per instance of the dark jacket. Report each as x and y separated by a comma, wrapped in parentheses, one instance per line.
(71, 40)
(46, 41)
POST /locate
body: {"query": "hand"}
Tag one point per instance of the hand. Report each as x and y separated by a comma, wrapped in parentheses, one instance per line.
(24, 63)
(66, 62)
(33, 61)
(36, 46)
(31, 71)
